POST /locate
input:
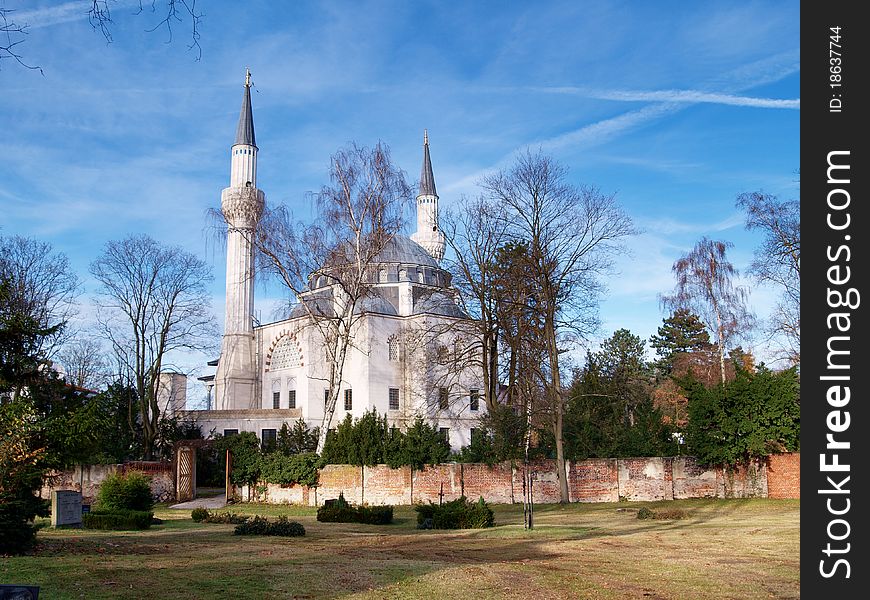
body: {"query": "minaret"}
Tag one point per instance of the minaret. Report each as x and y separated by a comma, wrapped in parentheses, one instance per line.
(428, 234)
(242, 205)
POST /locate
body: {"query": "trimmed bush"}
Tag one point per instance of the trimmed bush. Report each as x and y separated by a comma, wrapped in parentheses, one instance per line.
(199, 514)
(337, 514)
(130, 491)
(456, 514)
(375, 515)
(117, 520)
(262, 526)
(339, 511)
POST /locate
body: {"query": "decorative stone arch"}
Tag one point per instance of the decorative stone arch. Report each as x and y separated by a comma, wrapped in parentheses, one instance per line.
(285, 352)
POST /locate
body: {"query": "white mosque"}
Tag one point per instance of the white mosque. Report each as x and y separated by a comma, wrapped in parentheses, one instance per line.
(402, 360)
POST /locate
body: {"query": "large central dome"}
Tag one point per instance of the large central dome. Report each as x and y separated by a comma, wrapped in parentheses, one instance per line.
(404, 250)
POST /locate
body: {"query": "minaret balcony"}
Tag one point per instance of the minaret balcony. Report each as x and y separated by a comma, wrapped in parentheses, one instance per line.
(242, 206)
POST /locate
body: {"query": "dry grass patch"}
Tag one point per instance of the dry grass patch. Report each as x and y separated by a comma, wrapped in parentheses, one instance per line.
(749, 548)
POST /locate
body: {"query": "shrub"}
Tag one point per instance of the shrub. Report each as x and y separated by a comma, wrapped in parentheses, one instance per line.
(262, 526)
(225, 518)
(375, 515)
(337, 514)
(199, 514)
(339, 511)
(130, 491)
(645, 513)
(288, 470)
(666, 514)
(456, 514)
(671, 514)
(117, 519)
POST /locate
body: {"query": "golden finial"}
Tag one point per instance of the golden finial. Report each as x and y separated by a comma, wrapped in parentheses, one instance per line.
(247, 77)
(425, 137)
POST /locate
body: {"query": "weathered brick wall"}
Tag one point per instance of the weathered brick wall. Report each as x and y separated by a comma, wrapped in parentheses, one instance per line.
(387, 486)
(784, 475)
(691, 480)
(426, 485)
(341, 479)
(593, 480)
(88, 478)
(645, 478)
(494, 483)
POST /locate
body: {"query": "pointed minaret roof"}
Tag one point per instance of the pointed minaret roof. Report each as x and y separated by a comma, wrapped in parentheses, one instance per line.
(245, 130)
(427, 179)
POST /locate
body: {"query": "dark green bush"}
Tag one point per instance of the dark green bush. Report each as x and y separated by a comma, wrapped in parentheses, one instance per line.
(130, 491)
(645, 513)
(117, 520)
(262, 526)
(456, 514)
(199, 514)
(340, 511)
(288, 470)
(370, 515)
(375, 515)
(337, 514)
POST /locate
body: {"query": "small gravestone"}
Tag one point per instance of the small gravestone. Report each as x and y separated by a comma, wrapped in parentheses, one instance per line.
(66, 509)
(19, 592)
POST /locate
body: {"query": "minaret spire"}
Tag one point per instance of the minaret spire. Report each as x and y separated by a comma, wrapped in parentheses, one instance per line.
(428, 233)
(245, 130)
(242, 205)
(427, 179)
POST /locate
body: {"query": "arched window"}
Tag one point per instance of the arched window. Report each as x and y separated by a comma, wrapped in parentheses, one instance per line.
(285, 355)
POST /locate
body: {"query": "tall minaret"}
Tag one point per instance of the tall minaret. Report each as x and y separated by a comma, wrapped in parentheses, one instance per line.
(242, 205)
(428, 234)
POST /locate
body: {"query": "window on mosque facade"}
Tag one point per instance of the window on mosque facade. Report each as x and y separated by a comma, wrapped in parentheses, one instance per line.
(348, 399)
(474, 400)
(394, 398)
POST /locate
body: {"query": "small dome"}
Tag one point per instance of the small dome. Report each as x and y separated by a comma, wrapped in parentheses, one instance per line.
(375, 304)
(438, 303)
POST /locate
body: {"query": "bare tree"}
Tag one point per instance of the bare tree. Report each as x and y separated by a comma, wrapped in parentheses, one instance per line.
(572, 234)
(42, 285)
(328, 265)
(705, 287)
(100, 16)
(153, 301)
(84, 362)
(476, 232)
(778, 262)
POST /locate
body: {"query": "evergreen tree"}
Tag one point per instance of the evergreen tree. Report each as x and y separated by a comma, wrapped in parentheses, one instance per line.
(682, 332)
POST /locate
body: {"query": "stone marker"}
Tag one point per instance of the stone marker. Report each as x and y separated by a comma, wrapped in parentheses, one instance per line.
(66, 509)
(19, 592)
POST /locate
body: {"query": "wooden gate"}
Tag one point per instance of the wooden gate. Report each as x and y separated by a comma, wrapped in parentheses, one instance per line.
(185, 475)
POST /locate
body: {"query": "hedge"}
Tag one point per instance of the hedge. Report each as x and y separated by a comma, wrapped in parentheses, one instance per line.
(456, 514)
(117, 520)
(262, 526)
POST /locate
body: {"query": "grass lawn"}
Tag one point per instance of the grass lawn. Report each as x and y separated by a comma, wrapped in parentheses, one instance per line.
(724, 549)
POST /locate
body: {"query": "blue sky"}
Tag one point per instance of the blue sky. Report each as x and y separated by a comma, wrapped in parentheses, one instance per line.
(675, 107)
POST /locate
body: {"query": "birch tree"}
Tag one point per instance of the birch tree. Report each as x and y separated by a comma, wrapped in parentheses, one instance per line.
(328, 264)
(705, 286)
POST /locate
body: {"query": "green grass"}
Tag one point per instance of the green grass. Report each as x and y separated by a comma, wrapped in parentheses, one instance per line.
(723, 549)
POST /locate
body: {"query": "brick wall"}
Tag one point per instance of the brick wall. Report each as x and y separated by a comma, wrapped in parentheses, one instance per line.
(88, 478)
(784, 475)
